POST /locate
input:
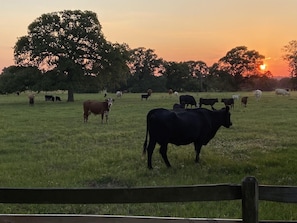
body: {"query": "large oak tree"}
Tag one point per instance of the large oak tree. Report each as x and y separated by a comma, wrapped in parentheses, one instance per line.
(68, 44)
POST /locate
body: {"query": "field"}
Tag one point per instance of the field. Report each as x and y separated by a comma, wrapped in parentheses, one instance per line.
(49, 145)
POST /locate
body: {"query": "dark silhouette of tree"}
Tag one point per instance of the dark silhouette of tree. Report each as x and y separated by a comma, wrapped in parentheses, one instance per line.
(177, 75)
(68, 45)
(144, 67)
(18, 79)
(291, 57)
(240, 63)
(199, 70)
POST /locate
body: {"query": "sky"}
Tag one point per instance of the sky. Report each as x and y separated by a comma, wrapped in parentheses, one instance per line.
(177, 30)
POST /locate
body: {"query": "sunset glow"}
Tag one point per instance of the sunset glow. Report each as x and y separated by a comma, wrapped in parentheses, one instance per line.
(175, 30)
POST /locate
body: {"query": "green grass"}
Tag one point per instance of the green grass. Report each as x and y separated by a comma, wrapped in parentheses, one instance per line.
(49, 145)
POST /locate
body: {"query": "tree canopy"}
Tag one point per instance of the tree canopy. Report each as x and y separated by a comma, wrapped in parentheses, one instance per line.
(71, 44)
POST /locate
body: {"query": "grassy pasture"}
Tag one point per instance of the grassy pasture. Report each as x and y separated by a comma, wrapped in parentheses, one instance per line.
(49, 145)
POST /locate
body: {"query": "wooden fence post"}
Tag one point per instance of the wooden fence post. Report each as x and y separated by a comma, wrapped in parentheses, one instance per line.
(250, 200)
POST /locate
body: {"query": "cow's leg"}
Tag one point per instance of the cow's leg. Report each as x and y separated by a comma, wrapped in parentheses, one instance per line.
(102, 117)
(163, 152)
(86, 116)
(197, 149)
(150, 150)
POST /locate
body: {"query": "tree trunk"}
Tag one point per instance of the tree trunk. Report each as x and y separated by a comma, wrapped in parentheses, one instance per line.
(70, 95)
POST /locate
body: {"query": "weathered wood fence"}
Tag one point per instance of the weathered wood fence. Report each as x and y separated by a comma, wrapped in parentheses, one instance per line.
(248, 191)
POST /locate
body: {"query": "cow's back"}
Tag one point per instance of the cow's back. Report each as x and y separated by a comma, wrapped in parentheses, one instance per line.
(86, 106)
(177, 127)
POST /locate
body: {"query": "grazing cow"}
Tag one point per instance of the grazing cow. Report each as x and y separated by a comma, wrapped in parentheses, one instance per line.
(119, 94)
(258, 94)
(228, 102)
(186, 100)
(244, 101)
(280, 91)
(182, 127)
(175, 93)
(170, 91)
(58, 98)
(144, 96)
(49, 98)
(97, 108)
(208, 101)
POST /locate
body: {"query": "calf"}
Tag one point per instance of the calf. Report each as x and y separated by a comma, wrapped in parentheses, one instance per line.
(97, 108)
(187, 126)
(228, 102)
(208, 101)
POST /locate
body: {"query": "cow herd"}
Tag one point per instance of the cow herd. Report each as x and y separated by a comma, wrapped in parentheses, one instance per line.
(187, 122)
(188, 100)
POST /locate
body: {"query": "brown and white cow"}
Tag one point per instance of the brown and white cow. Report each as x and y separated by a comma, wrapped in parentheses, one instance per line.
(97, 107)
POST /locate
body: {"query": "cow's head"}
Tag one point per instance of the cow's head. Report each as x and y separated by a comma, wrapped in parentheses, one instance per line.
(226, 117)
(109, 102)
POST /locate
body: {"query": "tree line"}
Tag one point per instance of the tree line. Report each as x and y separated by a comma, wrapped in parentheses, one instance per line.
(67, 50)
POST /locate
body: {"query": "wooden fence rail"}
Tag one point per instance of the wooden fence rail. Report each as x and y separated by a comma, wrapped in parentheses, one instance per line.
(249, 192)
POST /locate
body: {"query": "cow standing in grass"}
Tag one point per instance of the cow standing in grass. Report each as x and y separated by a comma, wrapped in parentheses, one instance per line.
(186, 100)
(228, 102)
(244, 101)
(97, 107)
(208, 101)
(182, 127)
(258, 94)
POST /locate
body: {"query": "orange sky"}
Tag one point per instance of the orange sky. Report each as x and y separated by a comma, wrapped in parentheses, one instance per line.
(177, 30)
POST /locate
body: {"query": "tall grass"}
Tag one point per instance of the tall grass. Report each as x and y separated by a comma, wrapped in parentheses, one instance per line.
(49, 145)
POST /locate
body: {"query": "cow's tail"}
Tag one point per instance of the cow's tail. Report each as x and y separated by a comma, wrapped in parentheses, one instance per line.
(146, 136)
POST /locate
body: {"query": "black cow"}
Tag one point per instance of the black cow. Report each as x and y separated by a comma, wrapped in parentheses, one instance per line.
(145, 96)
(178, 106)
(58, 98)
(186, 100)
(208, 101)
(196, 126)
(49, 98)
(228, 102)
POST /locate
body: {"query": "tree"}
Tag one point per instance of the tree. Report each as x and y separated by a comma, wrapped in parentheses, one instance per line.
(241, 62)
(199, 70)
(144, 66)
(69, 43)
(291, 56)
(18, 79)
(177, 75)
(115, 69)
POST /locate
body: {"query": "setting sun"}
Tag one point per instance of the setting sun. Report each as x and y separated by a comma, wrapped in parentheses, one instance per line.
(263, 66)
